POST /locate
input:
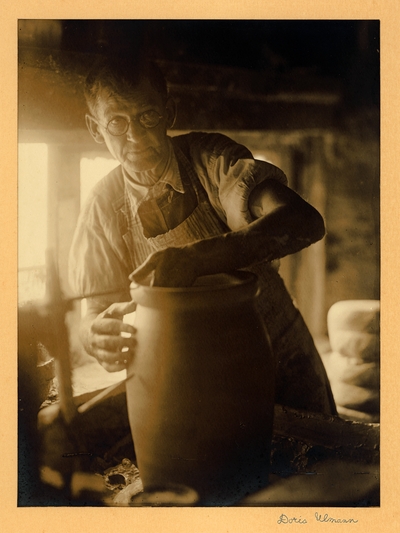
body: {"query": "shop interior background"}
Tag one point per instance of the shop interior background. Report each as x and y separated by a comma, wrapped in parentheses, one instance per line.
(303, 95)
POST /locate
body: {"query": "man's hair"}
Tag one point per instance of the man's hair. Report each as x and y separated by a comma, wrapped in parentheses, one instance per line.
(121, 76)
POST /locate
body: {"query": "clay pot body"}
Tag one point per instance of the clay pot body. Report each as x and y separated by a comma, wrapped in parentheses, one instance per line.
(200, 388)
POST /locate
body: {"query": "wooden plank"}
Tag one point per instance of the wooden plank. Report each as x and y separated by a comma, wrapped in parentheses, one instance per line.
(333, 433)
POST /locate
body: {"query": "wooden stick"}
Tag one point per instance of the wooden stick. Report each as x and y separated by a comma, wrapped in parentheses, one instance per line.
(56, 315)
(106, 393)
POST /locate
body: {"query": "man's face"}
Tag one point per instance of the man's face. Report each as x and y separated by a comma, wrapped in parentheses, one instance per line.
(139, 149)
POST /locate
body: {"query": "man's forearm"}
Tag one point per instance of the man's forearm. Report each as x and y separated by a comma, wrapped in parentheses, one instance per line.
(283, 224)
(273, 236)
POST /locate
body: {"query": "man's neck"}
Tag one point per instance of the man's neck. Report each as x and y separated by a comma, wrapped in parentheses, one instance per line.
(149, 178)
(168, 172)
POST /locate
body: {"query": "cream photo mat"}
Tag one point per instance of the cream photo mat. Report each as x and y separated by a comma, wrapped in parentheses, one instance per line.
(210, 520)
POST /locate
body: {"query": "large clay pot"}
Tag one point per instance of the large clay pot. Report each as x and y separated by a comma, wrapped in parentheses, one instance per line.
(200, 389)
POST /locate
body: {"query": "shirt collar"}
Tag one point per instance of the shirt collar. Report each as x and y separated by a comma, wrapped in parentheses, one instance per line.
(171, 174)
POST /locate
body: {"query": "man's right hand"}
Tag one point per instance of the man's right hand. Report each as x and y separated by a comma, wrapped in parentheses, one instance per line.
(107, 338)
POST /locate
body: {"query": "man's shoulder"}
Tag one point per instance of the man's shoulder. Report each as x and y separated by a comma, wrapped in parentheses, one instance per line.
(107, 195)
(109, 188)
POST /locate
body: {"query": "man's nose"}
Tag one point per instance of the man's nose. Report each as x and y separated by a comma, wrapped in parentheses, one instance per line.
(135, 131)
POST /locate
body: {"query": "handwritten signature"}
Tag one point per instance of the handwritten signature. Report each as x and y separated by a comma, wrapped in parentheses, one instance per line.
(327, 518)
(284, 519)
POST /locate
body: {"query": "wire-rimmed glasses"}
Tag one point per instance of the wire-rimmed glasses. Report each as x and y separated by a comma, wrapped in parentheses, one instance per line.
(119, 125)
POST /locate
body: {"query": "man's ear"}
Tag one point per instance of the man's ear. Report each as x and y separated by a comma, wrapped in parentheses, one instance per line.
(93, 127)
(171, 112)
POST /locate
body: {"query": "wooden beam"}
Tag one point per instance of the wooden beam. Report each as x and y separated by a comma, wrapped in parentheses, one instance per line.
(51, 96)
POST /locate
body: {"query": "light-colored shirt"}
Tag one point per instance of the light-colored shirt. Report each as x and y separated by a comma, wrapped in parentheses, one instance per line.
(99, 257)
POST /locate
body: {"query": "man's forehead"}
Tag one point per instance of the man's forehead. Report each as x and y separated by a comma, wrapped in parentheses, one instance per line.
(141, 96)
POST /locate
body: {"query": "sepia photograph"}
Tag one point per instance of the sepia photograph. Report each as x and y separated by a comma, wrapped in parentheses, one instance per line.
(199, 264)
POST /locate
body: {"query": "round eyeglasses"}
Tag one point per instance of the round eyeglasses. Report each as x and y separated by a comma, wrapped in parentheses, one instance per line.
(120, 125)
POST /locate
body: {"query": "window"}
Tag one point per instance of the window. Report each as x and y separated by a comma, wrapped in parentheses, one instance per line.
(32, 221)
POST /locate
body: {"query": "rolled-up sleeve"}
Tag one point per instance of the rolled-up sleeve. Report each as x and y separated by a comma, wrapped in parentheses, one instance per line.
(229, 173)
(98, 259)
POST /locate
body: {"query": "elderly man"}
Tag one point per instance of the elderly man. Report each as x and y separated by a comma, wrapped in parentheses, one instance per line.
(179, 208)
